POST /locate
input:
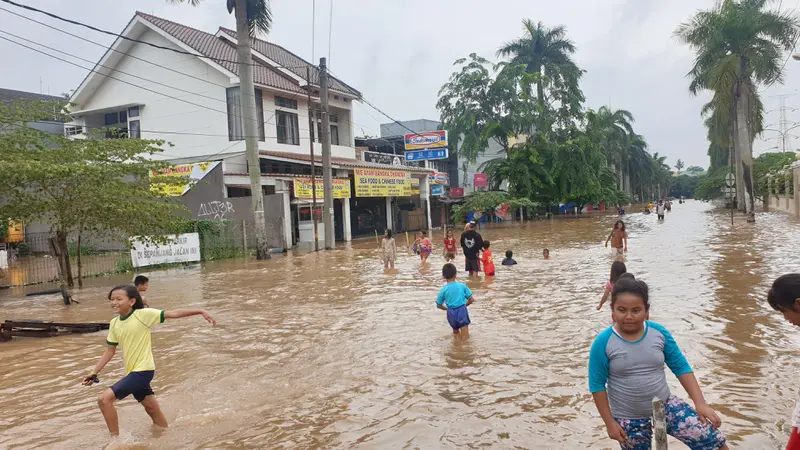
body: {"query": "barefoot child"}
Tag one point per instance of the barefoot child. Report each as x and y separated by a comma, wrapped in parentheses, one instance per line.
(617, 269)
(618, 238)
(425, 246)
(626, 371)
(388, 250)
(131, 331)
(487, 260)
(142, 283)
(449, 246)
(784, 297)
(454, 297)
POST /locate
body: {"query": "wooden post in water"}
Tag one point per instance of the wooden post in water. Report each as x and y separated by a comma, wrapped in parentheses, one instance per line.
(659, 424)
(244, 237)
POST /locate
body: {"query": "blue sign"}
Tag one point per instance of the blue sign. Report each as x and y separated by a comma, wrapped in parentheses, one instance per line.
(426, 155)
(437, 189)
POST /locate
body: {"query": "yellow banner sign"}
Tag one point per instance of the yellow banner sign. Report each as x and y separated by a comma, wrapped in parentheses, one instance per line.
(382, 183)
(302, 188)
(194, 172)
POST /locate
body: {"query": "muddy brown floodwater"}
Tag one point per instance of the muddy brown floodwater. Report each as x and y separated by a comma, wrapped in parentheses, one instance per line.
(326, 351)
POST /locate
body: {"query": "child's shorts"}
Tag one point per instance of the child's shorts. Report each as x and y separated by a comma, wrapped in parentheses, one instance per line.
(683, 424)
(450, 256)
(458, 317)
(471, 265)
(136, 383)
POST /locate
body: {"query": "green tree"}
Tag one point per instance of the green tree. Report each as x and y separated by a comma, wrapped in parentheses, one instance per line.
(679, 165)
(770, 164)
(488, 201)
(81, 185)
(252, 17)
(548, 52)
(614, 130)
(739, 46)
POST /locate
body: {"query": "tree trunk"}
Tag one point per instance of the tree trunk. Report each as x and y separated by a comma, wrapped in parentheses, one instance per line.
(248, 106)
(80, 263)
(540, 95)
(744, 150)
(60, 249)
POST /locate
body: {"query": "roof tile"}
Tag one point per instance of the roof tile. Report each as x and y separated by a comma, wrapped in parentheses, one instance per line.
(219, 49)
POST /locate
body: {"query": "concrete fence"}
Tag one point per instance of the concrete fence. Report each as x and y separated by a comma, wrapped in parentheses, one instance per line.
(781, 190)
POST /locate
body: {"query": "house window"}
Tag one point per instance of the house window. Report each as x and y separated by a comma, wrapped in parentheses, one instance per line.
(133, 111)
(285, 102)
(286, 124)
(268, 190)
(235, 119)
(112, 118)
(133, 129)
(334, 134)
(236, 192)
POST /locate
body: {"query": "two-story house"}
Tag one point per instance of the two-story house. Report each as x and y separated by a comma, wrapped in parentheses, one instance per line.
(163, 80)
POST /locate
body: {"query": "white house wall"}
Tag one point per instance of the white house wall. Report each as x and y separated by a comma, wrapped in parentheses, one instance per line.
(160, 113)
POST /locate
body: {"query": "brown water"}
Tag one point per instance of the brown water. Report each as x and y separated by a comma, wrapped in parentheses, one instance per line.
(326, 351)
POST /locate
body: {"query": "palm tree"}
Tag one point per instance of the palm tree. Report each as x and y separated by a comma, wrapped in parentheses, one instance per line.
(739, 46)
(614, 129)
(252, 17)
(546, 51)
(679, 165)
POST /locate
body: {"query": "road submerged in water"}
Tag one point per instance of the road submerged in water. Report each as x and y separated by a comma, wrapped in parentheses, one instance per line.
(325, 350)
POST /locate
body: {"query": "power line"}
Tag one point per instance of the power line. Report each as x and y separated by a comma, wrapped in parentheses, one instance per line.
(111, 33)
(127, 82)
(790, 51)
(388, 116)
(114, 50)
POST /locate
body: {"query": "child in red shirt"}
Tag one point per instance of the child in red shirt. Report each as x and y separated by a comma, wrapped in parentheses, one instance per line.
(487, 260)
(449, 246)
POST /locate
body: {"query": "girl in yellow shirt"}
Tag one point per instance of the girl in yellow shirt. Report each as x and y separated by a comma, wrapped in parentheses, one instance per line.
(131, 331)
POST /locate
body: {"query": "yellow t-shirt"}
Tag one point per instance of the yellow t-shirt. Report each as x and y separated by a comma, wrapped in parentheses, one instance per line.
(132, 333)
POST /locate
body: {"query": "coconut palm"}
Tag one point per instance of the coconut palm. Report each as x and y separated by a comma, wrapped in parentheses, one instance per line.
(252, 17)
(547, 51)
(740, 45)
(614, 129)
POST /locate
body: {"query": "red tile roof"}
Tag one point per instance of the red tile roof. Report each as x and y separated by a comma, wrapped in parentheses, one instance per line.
(342, 162)
(293, 62)
(218, 49)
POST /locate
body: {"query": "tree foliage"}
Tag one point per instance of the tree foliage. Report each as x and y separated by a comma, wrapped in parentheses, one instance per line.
(76, 186)
(488, 201)
(531, 105)
(739, 47)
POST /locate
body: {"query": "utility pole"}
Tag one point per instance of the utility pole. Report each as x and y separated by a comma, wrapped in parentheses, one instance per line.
(247, 93)
(327, 175)
(311, 129)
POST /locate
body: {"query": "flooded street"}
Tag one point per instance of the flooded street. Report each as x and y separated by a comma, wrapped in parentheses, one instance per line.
(326, 351)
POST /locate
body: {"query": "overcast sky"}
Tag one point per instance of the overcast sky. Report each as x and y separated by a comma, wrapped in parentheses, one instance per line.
(399, 53)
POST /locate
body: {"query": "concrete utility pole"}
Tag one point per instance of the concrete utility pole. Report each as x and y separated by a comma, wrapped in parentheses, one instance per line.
(247, 93)
(327, 175)
(311, 129)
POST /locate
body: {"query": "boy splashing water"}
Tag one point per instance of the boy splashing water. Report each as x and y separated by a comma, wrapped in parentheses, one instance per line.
(454, 297)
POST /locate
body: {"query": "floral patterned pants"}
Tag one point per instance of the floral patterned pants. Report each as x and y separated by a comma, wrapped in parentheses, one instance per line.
(683, 424)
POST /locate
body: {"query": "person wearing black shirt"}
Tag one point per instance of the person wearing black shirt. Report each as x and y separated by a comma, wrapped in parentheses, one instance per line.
(471, 244)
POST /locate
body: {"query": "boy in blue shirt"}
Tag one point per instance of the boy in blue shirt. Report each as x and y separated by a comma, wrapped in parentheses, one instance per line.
(454, 297)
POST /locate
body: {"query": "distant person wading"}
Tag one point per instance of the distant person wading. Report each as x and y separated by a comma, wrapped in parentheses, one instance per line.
(471, 244)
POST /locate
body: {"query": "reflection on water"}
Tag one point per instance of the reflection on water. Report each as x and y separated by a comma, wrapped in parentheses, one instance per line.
(328, 350)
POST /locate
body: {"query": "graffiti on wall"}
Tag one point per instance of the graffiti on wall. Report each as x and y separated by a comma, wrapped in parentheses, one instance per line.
(216, 210)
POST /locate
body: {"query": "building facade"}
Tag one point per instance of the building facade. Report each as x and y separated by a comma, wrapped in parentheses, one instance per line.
(190, 98)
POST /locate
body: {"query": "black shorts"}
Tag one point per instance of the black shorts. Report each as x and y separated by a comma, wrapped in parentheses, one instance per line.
(660, 217)
(472, 266)
(136, 383)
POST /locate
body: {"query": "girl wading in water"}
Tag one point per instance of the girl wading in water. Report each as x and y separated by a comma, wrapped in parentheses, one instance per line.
(618, 238)
(131, 332)
(388, 250)
(626, 370)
